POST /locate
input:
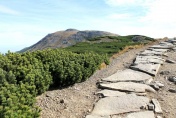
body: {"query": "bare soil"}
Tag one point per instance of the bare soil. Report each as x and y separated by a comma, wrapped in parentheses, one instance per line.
(77, 101)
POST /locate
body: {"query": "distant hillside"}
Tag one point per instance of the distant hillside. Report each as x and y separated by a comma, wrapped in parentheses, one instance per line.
(66, 38)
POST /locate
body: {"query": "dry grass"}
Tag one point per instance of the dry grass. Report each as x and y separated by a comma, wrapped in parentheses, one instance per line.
(126, 49)
(102, 66)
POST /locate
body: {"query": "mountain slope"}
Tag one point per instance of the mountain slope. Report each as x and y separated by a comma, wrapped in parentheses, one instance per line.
(66, 38)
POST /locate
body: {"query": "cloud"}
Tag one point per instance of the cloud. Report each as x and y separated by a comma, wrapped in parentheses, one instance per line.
(114, 3)
(119, 2)
(6, 10)
(161, 12)
(116, 16)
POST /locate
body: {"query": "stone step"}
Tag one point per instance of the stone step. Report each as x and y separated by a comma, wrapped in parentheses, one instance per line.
(111, 93)
(142, 114)
(128, 75)
(128, 87)
(151, 69)
(117, 105)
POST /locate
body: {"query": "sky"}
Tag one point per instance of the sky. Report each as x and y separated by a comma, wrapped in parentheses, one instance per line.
(25, 22)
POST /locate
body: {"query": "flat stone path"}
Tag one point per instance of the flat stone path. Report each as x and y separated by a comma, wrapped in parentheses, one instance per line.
(125, 92)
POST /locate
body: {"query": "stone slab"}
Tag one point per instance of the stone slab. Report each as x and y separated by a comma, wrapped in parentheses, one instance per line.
(111, 93)
(151, 52)
(128, 75)
(144, 114)
(157, 106)
(128, 86)
(150, 57)
(118, 105)
(166, 44)
(158, 50)
(151, 69)
(161, 47)
(147, 60)
(170, 61)
(172, 41)
(96, 116)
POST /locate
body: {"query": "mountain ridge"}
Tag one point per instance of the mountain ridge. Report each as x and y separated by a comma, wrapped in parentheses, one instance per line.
(65, 38)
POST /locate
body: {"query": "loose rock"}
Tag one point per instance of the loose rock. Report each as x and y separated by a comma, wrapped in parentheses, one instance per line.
(172, 90)
(172, 79)
(157, 106)
(156, 87)
(151, 107)
(164, 72)
(170, 61)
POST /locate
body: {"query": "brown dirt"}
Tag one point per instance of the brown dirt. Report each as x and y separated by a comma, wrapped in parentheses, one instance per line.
(77, 101)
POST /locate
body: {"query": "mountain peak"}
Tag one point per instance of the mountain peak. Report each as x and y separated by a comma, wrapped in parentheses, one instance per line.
(71, 29)
(61, 39)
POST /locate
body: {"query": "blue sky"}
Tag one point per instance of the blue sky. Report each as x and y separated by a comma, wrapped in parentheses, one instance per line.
(24, 22)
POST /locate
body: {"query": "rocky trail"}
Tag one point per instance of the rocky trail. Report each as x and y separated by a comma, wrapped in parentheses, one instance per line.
(137, 84)
(132, 92)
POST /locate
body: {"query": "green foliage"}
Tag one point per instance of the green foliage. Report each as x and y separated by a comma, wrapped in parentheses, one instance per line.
(16, 101)
(68, 68)
(25, 75)
(113, 45)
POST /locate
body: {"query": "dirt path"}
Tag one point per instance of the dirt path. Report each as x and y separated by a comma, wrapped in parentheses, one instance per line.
(78, 100)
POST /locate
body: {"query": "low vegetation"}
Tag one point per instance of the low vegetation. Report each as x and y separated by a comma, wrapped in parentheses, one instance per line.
(24, 76)
(109, 44)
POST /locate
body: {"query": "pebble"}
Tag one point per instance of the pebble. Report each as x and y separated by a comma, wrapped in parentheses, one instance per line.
(156, 87)
(172, 79)
(172, 90)
(151, 107)
(165, 73)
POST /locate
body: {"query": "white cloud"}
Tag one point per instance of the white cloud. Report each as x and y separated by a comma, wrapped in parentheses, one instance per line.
(4, 9)
(161, 12)
(128, 2)
(119, 2)
(116, 16)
